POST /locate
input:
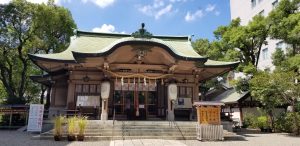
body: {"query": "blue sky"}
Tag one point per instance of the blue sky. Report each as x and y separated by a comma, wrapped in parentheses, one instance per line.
(162, 17)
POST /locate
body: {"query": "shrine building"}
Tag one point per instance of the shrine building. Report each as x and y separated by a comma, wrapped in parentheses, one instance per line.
(122, 76)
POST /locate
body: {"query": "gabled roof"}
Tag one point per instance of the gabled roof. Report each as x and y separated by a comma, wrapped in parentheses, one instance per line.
(230, 96)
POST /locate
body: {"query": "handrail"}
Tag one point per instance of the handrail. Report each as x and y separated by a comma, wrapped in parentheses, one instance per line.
(179, 130)
(114, 116)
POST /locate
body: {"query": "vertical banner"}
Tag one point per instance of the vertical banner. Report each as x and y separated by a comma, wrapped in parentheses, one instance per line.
(35, 120)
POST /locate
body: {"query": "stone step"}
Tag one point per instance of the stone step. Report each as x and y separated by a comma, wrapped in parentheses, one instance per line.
(108, 130)
(97, 138)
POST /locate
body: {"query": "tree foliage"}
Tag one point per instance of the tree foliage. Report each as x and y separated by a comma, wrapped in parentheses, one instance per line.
(29, 28)
(284, 20)
(248, 39)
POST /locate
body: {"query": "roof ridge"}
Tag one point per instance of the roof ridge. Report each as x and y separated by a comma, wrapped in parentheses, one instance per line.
(89, 33)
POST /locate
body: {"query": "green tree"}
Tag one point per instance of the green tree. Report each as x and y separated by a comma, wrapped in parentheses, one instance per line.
(284, 20)
(274, 89)
(215, 50)
(52, 34)
(29, 28)
(278, 57)
(248, 39)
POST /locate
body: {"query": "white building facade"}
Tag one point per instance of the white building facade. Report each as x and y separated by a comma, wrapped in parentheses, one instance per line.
(246, 10)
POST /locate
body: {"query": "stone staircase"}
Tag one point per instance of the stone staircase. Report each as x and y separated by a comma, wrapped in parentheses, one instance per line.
(123, 130)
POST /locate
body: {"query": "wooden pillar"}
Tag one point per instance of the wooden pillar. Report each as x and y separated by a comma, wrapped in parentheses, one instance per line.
(71, 94)
(47, 105)
(52, 103)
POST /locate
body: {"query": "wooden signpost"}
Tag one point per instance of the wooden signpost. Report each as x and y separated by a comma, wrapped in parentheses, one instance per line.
(209, 121)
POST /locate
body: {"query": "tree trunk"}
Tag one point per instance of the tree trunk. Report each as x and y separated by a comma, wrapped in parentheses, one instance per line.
(258, 54)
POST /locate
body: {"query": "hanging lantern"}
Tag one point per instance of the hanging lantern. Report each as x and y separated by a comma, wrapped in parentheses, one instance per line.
(155, 82)
(162, 81)
(105, 88)
(145, 82)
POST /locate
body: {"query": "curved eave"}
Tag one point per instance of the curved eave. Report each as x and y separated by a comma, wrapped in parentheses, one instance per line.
(38, 58)
(232, 65)
(35, 59)
(226, 68)
(42, 79)
(81, 56)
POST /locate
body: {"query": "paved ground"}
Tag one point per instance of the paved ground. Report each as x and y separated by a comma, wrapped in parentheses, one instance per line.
(16, 138)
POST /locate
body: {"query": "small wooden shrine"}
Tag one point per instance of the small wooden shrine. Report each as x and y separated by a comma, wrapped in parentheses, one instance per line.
(209, 121)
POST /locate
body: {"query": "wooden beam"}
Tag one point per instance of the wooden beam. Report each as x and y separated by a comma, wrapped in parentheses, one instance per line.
(138, 66)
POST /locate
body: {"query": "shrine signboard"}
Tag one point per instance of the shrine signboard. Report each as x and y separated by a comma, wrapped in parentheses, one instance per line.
(35, 120)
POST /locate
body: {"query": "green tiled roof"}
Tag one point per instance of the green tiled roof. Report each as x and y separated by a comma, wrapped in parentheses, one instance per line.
(102, 42)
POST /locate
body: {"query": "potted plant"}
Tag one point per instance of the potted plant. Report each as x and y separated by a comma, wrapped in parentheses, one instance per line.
(58, 128)
(82, 122)
(71, 128)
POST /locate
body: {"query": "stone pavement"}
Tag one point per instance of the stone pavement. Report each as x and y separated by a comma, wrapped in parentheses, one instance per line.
(16, 138)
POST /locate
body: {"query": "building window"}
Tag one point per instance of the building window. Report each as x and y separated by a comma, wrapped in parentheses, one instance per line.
(262, 13)
(275, 3)
(279, 45)
(265, 53)
(185, 91)
(253, 3)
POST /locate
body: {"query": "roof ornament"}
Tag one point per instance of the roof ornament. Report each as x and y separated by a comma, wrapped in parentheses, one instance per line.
(142, 33)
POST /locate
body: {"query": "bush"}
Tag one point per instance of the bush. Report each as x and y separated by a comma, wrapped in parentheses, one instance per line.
(249, 121)
(284, 123)
(262, 122)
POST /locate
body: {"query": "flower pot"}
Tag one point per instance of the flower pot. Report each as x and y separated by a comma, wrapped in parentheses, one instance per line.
(71, 137)
(80, 137)
(57, 137)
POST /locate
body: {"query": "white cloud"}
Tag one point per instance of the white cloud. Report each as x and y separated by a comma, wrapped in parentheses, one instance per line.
(157, 9)
(58, 2)
(192, 16)
(100, 3)
(174, 1)
(163, 11)
(107, 28)
(158, 3)
(210, 8)
(4, 1)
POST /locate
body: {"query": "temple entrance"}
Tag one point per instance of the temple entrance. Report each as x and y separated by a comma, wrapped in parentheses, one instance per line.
(135, 104)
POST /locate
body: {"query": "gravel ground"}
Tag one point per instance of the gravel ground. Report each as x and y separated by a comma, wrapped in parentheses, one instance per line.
(16, 138)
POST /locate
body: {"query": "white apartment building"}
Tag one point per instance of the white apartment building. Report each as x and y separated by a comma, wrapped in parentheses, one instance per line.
(246, 10)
